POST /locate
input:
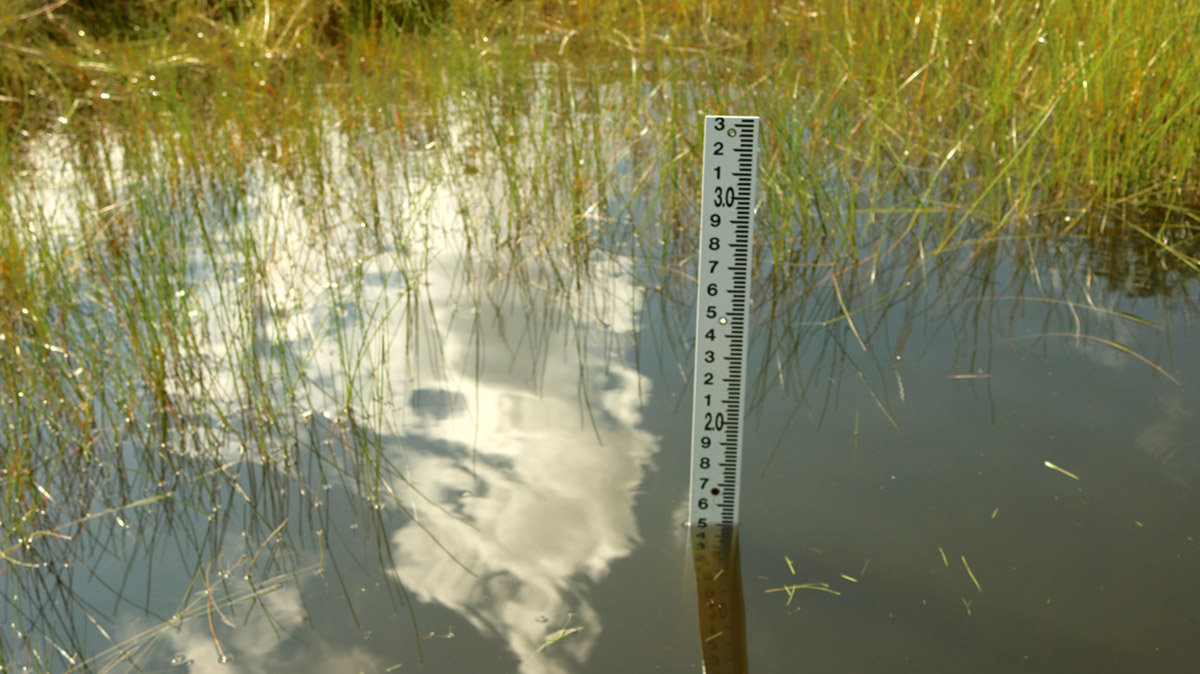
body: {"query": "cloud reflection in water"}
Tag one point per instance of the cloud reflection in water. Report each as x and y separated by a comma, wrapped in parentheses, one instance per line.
(531, 470)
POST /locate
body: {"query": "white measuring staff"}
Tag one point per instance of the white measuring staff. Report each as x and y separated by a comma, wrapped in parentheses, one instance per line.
(728, 192)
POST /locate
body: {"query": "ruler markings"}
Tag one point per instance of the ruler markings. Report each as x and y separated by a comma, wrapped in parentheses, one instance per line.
(728, 189)
(724, 269)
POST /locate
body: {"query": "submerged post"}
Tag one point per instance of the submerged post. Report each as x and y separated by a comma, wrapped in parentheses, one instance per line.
(726, 254)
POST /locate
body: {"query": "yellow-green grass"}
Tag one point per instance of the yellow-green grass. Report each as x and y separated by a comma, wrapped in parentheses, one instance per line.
(921, 127)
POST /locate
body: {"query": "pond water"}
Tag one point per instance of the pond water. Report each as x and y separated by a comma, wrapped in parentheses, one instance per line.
(430, 452)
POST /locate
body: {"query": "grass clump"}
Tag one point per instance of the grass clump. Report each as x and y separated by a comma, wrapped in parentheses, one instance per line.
(929, 124)
(219, 155)
(926, 124)
(953, 114)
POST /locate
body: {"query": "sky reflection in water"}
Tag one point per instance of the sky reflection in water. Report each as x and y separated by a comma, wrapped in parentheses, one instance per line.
(515, 424)
(518, 449)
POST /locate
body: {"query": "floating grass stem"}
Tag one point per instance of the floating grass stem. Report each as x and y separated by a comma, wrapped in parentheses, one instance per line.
(1064, 471)
(971, 574)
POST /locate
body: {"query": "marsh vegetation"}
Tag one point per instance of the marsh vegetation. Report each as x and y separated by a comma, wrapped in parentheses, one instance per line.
(324, 320)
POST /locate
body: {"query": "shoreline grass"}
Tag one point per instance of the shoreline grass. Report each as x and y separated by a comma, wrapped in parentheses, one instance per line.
(898, 130)
(1075, 102)
(921, 126)
(139, 315)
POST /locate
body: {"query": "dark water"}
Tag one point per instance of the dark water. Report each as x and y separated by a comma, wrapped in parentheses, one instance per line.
(456, 472)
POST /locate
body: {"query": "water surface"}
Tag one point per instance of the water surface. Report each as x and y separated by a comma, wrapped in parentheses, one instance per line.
(451, 448)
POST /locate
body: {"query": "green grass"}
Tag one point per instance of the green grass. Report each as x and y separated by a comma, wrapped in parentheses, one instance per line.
(905, 128)
(1077, 103)
(140, 253)
(931, 124)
